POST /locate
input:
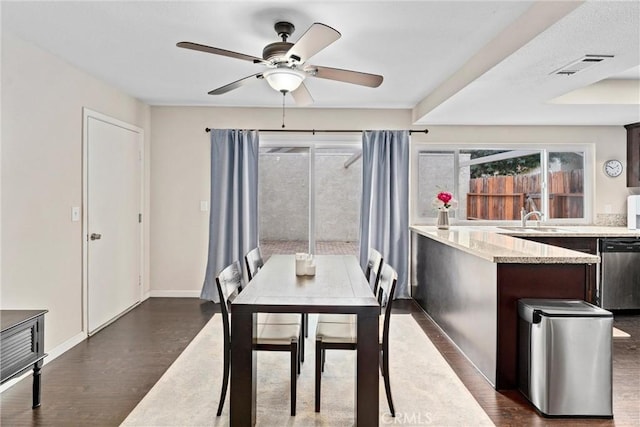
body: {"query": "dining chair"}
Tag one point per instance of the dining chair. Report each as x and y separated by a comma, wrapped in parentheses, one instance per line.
(372, 273)
(254, 262)
(270, 336)
(343, 336)
(374, 268)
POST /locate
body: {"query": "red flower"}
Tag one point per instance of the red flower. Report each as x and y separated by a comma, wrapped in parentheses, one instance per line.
(444, 201)
(444, 196)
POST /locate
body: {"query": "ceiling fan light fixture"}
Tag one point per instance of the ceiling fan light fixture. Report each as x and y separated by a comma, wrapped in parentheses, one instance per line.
(284, 79)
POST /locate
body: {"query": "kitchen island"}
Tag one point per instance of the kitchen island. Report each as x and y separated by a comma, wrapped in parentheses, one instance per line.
(469, 281)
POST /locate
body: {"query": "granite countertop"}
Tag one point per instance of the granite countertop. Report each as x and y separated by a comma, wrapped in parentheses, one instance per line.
(499, 246)
(563, 231)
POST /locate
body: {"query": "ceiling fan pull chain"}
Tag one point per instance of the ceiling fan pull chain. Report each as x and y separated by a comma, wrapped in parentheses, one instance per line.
(283, 95)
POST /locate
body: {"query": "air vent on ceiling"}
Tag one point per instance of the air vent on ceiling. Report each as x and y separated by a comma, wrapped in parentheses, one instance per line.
(581, 64)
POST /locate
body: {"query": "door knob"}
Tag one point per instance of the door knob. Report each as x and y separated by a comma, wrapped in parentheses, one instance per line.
(95, 236)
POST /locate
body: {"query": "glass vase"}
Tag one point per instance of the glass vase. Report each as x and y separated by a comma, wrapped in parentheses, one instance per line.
(443, 220)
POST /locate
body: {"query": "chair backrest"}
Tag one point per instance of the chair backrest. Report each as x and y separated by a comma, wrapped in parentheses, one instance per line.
(253, 261)
(374, 267)
(386, 292)
(229, 283)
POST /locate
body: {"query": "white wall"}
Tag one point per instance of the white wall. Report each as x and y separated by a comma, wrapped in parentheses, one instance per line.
(180, 170)
(42, 101)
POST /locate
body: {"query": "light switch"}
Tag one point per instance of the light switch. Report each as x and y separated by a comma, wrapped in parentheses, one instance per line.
(75, 213)
(204, 205)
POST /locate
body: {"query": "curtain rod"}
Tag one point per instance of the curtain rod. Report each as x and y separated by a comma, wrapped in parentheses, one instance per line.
(313, 131)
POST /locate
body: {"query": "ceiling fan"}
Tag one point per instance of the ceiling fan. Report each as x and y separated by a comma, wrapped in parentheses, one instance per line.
(286, 63)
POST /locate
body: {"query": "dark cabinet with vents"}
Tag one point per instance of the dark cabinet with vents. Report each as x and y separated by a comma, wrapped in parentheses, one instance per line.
(633, 154)
(22, 346)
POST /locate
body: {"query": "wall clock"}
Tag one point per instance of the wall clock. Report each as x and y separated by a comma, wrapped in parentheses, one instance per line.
(613, 168)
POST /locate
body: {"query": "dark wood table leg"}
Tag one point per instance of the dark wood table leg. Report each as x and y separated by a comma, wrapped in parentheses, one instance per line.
(37, 367)
(243, 370)
(367, 407)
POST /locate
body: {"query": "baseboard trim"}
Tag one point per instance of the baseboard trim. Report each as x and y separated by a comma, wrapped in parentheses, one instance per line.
(174, 294)
(51, 355)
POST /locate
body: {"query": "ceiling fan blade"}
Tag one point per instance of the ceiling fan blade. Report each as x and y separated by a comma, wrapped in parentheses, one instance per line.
(347, 76)
(301, 96)
(218, 51)
(316, 38)
(236, 84)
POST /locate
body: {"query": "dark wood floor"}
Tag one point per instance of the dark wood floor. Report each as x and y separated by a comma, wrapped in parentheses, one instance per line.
(98, 382)
(510, 408)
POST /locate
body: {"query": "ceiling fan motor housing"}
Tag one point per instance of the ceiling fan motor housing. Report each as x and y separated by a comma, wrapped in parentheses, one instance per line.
(276, 50)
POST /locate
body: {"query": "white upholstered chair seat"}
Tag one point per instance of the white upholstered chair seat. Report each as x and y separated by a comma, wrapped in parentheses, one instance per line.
(284, 319)
(278, 334)
(342, 332)
(336, 318)
(279, 318)
(337, 332)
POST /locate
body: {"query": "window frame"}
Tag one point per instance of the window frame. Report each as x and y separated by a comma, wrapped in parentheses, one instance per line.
(589, 179)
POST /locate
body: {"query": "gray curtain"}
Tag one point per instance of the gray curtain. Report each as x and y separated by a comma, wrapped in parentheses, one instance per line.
(233, 222)
(384, 216)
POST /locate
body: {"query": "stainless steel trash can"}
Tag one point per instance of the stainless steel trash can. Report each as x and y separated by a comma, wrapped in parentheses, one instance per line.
(564, 358)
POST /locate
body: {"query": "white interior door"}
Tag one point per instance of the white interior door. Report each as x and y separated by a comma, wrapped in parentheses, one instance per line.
(113, 206)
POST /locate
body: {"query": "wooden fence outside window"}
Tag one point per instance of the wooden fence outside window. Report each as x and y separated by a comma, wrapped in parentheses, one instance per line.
(502, 197)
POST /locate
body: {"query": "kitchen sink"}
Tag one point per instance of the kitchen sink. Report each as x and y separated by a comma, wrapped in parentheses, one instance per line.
(541, 229)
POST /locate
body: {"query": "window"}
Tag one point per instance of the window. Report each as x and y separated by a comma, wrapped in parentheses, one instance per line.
(283, 199)
(494, 184)
(337, 191)
(309, 196)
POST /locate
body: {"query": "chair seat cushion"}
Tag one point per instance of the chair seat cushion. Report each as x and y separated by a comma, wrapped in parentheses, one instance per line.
(278, 334)
(279, 318)
(337, 332)
(336, 318)
(333, 331)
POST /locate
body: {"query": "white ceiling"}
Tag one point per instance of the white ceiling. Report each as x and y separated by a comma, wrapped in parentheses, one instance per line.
(452, 62)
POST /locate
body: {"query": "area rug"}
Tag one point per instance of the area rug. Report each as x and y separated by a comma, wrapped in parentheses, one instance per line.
(618, 333)
(425, 389)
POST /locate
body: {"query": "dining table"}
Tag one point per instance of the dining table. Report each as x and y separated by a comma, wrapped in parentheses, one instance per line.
(338, 286)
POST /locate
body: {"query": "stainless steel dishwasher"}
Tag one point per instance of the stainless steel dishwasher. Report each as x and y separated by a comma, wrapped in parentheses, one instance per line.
(620, 273)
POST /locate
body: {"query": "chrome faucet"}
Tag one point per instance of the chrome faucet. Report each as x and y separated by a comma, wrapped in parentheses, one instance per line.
(524, 216)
